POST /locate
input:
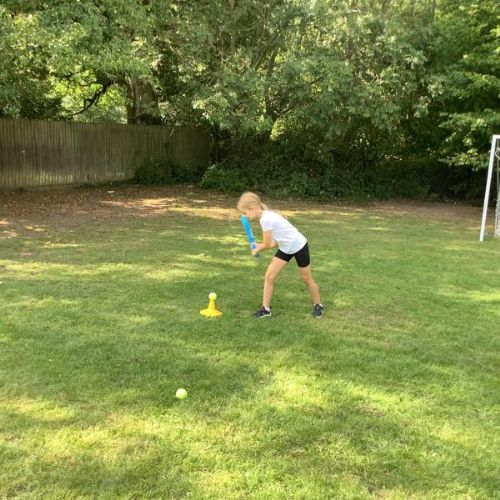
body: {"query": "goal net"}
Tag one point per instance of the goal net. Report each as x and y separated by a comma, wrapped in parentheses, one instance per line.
(493, 178)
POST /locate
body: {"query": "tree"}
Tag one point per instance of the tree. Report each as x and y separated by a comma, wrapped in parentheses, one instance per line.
(25, 86)
(465, 79)
(75, 53)
(352, 80)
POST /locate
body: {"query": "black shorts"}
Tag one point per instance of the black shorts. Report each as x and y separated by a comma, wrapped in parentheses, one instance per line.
(302, 256)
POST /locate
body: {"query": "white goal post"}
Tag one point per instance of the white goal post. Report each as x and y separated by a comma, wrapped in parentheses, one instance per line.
(494, 153)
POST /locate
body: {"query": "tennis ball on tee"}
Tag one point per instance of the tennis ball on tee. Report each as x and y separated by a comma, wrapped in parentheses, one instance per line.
(212, 295)
(181, 394)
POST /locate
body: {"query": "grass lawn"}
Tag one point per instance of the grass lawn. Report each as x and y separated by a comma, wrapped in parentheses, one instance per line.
(393, 394)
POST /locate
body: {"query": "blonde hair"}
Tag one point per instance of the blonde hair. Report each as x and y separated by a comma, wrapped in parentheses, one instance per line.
(250, 200)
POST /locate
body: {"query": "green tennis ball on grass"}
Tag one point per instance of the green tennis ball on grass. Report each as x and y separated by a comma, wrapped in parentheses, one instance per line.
(181, 394)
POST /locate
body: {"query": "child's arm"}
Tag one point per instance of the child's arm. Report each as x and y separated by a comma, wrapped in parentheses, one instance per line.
(267, 242)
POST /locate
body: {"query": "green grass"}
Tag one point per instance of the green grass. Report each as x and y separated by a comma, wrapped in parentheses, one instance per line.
(393, 394)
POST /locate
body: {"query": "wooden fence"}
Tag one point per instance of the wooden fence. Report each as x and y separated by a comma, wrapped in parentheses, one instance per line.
(44, 153)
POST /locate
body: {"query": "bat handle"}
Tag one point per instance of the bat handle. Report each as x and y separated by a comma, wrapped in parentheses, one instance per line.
(253, 246)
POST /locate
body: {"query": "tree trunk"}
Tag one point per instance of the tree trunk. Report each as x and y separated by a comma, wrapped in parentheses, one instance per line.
(142, 106)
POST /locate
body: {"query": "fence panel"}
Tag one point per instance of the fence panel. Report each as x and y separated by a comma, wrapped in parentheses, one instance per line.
(44, 153)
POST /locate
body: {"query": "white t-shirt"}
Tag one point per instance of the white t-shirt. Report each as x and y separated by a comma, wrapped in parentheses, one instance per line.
(288, 238)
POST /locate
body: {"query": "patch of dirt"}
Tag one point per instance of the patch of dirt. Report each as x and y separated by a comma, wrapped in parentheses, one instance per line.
(430, 210)
(41, 210)
(38, 211)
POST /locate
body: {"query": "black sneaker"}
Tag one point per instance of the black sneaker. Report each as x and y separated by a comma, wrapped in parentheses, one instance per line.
(262, 313)
(318, 311)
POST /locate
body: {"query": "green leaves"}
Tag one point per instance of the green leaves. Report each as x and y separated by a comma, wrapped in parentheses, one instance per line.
(470, 80)
(367, 78)
(75, 49)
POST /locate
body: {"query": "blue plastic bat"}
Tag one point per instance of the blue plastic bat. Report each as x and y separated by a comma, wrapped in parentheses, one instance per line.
(248, 230)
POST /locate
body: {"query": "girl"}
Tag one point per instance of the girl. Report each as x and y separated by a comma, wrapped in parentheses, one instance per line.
(277, 231)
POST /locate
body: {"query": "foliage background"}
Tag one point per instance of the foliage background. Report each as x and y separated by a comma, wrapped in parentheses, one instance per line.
(355, 97)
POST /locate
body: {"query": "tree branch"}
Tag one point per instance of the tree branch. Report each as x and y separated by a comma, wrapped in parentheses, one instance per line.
(89, 102)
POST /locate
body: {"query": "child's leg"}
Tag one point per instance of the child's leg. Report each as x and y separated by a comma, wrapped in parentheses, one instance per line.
(305, 274)
(275, 267)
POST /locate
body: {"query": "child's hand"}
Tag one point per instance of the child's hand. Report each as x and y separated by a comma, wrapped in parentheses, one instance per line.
(254, 251)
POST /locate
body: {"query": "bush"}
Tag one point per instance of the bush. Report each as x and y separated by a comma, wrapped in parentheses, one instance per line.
(292, 170)
(163, 171)
(224, 179)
